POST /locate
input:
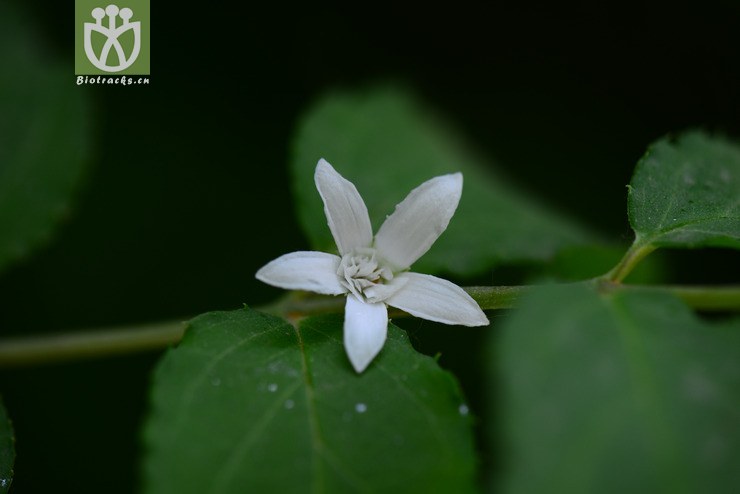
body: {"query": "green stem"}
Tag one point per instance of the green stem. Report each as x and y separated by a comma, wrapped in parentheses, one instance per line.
(704, 298)
(496, 297)
(123, 340)
(86, 344)
(632, 257)
(300, 304)
(295, 305)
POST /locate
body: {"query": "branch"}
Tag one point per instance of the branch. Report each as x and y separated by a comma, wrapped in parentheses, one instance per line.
(91, 343)
(704, 298)
(130, 339)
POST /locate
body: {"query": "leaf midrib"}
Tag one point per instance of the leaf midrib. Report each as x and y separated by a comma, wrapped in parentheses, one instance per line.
(317, 441)
(318, 446)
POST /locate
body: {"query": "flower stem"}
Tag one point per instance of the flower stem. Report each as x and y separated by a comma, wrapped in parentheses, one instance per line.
(124, 340)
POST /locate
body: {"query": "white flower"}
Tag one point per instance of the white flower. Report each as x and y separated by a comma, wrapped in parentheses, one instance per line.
(373, 272)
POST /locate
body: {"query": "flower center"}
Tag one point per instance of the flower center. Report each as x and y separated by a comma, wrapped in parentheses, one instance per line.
(364, 275)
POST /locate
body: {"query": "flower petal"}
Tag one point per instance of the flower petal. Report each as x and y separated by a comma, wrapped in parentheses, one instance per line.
(437, 300)
(419, 220)
(345, 210)
(381, 291)
(365, 329)
(311, 271)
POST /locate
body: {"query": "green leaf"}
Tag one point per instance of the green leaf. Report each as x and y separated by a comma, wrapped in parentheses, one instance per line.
(386, 143)
(7, 450)
(628, 392)
(248, 403)
(686, 193)
(44, 138)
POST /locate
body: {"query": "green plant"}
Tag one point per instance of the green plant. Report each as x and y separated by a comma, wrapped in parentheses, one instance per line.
(579, 377)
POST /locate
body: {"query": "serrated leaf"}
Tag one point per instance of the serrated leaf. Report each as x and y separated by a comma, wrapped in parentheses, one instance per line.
(617, 393)
(44, 138)
(7, 450)
(686, 193)
(386, 143)
(248, 403)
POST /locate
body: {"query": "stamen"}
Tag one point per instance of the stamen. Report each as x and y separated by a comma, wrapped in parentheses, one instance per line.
(361, 272)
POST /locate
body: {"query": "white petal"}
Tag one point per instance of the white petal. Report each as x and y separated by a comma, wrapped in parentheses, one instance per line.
(382, 291)
(419, 220)
(311, 271)
(438, 300)
(365, 329)
(345, 210)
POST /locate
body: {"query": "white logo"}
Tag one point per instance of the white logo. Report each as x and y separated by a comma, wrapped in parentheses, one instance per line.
(112, 33)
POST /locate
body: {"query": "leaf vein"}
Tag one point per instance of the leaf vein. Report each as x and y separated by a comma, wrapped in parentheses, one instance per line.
(317, 441)
(226, 473)
(189, 393)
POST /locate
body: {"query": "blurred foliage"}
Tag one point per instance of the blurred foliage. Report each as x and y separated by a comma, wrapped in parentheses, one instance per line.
(585, 262)
(44, 139)
(386, 143)
(187, 192)
(628, 392)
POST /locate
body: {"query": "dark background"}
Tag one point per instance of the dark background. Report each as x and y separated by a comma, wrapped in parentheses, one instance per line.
(565, 100)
